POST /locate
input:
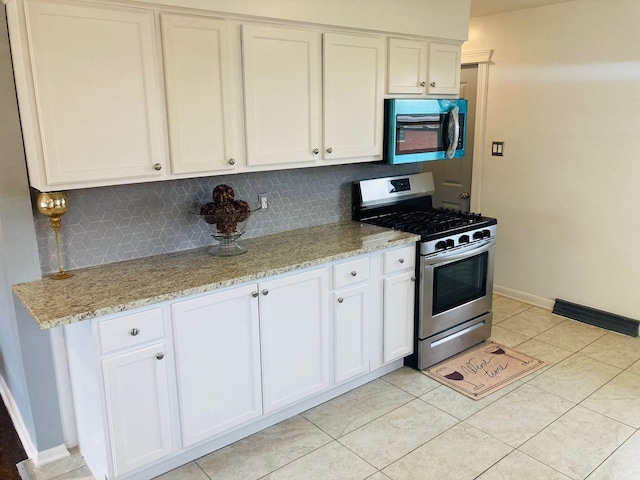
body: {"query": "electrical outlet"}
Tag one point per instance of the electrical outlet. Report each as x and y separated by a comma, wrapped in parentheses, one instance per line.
(264, 204)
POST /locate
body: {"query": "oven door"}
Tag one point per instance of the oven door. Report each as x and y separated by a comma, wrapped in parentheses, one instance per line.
(455, 286)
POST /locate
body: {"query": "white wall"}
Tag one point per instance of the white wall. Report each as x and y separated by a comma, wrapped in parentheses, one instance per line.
(564, 96)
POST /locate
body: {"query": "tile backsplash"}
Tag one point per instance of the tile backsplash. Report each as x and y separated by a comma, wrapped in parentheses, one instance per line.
(110, 224)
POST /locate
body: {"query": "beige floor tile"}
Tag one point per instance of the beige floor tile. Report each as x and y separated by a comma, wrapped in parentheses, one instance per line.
(575, 378)
(518, 466)
(82, 473)
(504, 308)
(615, 349)
(624, 464)
(331, 462)
(378, 476)
(532, 322)
(460, 406)
(190, 471)
(54, 469)
(506, 337)
(265, 451)
(519, 415)
(635, 368)
(347, 412)
(571, 335)
(542, 351)
(411, 381)
(577, 442)
(390, 437)
(460, 453)
(619, 399)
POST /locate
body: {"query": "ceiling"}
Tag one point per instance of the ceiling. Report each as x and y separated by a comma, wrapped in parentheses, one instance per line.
(482, 8)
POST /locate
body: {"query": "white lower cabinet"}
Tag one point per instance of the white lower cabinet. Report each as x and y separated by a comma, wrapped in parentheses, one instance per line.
(217, 349)
(351, 332)
(294, 331)
(137, 394)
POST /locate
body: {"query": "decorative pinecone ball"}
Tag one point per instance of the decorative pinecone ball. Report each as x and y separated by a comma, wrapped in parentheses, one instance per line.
(226, 218)
(242, 209)
(208, 210)
(222, 194)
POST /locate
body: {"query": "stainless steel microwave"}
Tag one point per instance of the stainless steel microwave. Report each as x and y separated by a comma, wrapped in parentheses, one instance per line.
(424, 130)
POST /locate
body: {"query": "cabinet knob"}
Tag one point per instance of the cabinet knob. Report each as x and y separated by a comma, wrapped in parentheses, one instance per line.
(432, 84)
(423, 84)
(413, 279)
(254, 294)
(329, 150)
(316, 151)
(232, 161)
(265, 292)
(160, 356)
(354, 273)
(133, 332)
(340, 299)
(157, 166)
(401, 260)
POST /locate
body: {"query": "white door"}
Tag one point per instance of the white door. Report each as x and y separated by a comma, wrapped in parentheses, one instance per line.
(294, 333)
(97, 87)
(217, 345)
(353, 96)
(452, 178)
(398, 297)
(201, 112)
(282, 90)
(137, 394)
(351, 332)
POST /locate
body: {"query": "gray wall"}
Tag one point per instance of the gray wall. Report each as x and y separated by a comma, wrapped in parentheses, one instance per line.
(25, 351)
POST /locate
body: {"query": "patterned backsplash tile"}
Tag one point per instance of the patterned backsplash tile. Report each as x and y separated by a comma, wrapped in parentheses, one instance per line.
(110, 224)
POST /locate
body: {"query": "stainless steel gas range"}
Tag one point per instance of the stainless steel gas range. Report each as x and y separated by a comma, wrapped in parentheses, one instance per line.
(455, 269)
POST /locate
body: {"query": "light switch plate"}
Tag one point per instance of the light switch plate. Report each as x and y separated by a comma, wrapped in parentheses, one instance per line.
(497, 149)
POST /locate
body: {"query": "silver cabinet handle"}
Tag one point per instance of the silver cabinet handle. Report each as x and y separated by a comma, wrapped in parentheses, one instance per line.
(160, 356)
(329, 150)
(232, 161)
(133, 332)
(354, 273)
(265, 292)
(340, 299)
(413, 279)
(254, 294)
(432, 84)
(401, 260)
(157, 166)
(423, 84)
(316, 151)
(465, 195)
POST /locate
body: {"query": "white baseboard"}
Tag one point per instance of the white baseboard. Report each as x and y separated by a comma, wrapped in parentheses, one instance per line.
(542, 302)
(38, 458)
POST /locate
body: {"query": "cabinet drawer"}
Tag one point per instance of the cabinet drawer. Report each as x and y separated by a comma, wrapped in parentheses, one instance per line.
(130, 330)
(351, 272)
(399, 259)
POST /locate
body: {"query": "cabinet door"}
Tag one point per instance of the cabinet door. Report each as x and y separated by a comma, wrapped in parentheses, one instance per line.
(353, 96)
(137, 394)
(97, 91)
(444, 69)
(217, 348)
(281, 69)
(196, 63)
(351, 332)
(407, 66)
(398, 313)
(294, 334)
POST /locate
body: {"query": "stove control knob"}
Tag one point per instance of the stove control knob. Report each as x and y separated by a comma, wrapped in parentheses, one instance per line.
(441, 245)
(478, 235)
(486, 233)
(464, 239)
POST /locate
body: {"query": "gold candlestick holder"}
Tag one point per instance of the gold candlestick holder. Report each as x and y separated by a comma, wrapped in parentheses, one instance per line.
(54, 205)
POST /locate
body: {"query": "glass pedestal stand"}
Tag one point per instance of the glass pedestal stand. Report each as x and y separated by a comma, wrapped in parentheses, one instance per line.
(227, 245)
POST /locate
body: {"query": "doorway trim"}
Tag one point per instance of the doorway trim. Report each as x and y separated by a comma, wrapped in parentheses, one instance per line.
(482, 58)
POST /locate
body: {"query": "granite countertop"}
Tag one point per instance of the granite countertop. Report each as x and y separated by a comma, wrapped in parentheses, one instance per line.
(115, 287)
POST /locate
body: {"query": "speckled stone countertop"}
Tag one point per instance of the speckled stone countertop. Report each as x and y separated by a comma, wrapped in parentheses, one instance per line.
(115, 287)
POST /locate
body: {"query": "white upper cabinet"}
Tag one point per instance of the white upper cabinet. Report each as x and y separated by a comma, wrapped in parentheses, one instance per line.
(281, 68)
(353, 96)
(200, 107)
(417, 67)
(444, 69)
(96, 94)
(407, 66)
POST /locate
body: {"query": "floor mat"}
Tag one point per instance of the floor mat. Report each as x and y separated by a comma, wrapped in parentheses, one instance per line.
(483, 369)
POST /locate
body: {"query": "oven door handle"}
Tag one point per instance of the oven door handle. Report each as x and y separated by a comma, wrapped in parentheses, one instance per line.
(466, 252)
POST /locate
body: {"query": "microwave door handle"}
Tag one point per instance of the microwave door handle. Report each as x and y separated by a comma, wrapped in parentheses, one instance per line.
(454, 126)
(464, 253)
